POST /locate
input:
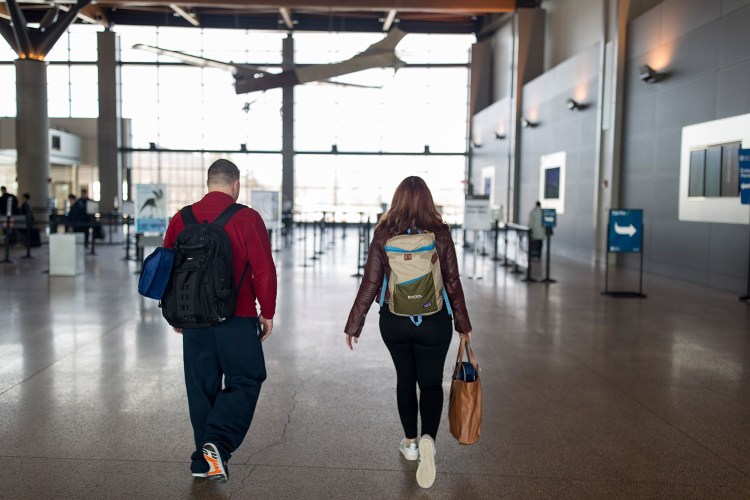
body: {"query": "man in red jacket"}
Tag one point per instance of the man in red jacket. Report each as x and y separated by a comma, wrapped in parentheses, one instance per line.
(221, 416)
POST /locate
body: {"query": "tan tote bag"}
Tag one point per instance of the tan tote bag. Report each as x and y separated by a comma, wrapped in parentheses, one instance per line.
(465, 406)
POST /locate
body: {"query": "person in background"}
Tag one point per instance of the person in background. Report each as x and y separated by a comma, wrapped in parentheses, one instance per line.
(8, 202)
(418, 352)
(536, 233)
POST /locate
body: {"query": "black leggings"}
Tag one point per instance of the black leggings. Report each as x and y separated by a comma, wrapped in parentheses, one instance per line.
(418, 353)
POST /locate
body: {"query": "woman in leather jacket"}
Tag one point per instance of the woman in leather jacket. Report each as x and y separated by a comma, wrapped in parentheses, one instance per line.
(418, 352)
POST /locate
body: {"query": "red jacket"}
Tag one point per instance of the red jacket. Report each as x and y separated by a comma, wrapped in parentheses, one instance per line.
(248, 238)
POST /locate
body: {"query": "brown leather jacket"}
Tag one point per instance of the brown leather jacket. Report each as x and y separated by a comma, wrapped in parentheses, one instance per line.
(377, 265)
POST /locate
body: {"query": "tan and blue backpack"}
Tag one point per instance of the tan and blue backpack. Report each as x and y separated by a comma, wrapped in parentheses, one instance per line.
(416, 282)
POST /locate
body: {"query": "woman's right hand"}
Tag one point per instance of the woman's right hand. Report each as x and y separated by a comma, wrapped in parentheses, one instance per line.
(467, 335)
(349, 341)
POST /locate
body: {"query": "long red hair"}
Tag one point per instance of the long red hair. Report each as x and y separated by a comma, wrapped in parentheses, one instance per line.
(412, 208)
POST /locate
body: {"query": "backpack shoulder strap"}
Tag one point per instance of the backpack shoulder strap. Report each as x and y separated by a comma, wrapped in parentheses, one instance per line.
(188, 217)
(227, 214)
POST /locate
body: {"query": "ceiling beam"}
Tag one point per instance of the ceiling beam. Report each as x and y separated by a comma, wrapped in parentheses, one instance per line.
(187, 16)
(286, 15)
(389, 18)
(437, 6)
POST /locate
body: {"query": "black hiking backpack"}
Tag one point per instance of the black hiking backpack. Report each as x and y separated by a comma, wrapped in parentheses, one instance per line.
(201, 292)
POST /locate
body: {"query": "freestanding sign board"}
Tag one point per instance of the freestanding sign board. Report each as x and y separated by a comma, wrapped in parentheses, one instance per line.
(151, 208)
(477, 215)
(625, 231)
(625, 235)
(745, 176)
(745, 198)
(549, 217)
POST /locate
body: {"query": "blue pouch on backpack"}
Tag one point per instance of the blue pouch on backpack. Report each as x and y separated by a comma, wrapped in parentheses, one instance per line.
(467, 373)
(155, 274)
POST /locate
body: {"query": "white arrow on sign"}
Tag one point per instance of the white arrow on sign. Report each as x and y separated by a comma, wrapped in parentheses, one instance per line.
(744, 186)
(629, 229)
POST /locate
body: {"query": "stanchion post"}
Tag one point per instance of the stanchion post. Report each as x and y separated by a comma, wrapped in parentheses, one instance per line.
(29, 228)
(496, 231)
(547, 279)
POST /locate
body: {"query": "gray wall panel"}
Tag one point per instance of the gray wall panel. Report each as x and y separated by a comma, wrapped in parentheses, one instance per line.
(666, 190)
(734, 96)
(735, 37)
(680, 17)
(687, 104)
(690, 56)
(572, 26)
(667, 153)
(644, 32)
(561, 129)
(729, 6)
(681, 244)
(725, 239)
(640, 116)
(641, 155)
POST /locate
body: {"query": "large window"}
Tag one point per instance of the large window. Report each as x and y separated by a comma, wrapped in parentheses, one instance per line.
(179, 113)
(359, 186)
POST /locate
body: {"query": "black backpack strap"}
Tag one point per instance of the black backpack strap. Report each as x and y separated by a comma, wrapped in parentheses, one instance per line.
(188, 217)
(227, 214)
(221, 221)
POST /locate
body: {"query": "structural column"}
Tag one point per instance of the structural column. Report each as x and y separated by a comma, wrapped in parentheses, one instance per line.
(287, 126)
(108, 124)
(32, 132)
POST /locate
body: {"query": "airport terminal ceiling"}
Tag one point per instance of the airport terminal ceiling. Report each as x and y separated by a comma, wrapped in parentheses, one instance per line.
(416, 16)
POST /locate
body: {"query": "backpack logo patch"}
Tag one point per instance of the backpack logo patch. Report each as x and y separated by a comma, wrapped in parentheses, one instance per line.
(428, 304)
(407, 256)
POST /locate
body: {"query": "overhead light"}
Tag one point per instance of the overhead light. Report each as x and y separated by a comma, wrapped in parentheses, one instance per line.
(649, 74)
(574, 105)
(526, 123)
(476, 145)
(499, 136)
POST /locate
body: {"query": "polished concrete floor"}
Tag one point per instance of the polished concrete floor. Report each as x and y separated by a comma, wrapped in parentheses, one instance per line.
(584, 396)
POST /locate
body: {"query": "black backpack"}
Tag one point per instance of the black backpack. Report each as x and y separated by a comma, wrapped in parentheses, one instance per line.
(200, 292)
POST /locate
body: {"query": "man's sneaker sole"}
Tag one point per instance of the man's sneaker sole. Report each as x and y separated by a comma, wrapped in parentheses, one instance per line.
(426, 469)
(200, 474)
(216, 471)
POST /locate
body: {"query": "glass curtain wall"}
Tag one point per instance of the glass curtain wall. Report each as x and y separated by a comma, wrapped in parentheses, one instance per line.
(181, 118)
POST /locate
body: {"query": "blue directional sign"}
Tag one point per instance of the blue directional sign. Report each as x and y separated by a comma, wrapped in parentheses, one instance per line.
(549, 217)
(625, 231)
(745, 176)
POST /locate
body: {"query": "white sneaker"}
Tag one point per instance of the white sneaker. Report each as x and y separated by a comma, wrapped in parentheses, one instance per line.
(409, 451)
(426, 469)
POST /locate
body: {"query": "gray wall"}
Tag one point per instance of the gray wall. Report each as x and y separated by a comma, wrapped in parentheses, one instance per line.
(572, 27)
(704, 45)
(560, 129)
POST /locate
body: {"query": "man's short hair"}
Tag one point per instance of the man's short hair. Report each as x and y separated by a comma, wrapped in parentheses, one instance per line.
(223, 172)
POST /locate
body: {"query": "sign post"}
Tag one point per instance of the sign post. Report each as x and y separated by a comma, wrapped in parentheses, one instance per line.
(549, 221)
(625, 235)
(745, 200)
(477, 218)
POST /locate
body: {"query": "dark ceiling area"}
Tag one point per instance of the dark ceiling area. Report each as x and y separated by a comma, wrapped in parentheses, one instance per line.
(414, 16)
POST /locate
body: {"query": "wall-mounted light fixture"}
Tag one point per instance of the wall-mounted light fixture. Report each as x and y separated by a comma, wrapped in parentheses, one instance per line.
(499, 136)
(476, 144)
(649, 74)
(574, 105)
(526, 123)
